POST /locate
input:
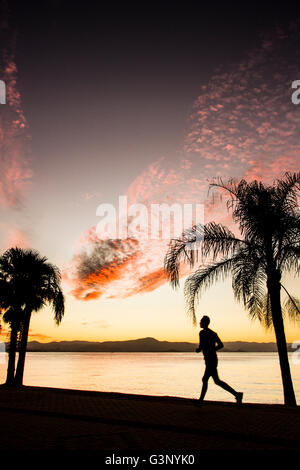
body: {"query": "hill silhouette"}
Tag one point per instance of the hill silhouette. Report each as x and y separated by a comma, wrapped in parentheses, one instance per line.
(143, 345)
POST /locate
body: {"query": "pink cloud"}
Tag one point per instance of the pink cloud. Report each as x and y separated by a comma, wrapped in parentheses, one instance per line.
(17, 238)
(15, 171)
(13, 236)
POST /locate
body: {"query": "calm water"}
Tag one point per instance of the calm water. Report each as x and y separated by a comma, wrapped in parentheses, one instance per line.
(173, 374)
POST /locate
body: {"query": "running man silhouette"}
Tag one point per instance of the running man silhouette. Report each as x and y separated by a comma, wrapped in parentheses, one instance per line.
(209, 344)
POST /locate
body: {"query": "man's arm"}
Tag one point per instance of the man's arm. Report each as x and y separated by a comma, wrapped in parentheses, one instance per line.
(199, 349)
(219, 344)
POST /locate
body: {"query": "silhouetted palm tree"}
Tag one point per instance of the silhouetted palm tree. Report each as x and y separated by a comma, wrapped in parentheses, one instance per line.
(13, 317)
(269, 222)
(34, 283)
(11, 308)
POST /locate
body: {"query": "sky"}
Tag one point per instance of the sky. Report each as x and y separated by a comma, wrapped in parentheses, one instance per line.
(150, 102)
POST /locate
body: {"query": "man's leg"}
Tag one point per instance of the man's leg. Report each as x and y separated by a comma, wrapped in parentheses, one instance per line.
(204, 385)
(224, 385)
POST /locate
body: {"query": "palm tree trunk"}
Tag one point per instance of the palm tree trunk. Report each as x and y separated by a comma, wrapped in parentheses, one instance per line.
(288, 390)
(12, 354)
(22, 352)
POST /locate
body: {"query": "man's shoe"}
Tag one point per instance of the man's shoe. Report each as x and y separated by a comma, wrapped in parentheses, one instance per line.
(239, 398)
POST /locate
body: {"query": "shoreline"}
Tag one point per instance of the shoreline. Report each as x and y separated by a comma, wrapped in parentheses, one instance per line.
(64, 419)
(150, 351)
(134, 396)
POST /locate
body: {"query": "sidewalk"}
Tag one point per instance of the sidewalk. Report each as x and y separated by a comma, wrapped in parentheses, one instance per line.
(56, 419)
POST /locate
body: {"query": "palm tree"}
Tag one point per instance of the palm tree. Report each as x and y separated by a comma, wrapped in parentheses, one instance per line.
(14, 318)
(268, 246)
(34, 283)
(11, 309)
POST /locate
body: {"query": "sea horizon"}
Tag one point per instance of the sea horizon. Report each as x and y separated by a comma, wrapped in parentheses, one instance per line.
(257, 374)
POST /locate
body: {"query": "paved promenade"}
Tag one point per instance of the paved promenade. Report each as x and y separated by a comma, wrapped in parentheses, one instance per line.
(34, 418)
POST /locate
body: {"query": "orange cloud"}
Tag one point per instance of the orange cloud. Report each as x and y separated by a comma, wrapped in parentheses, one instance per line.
(99, 264)
(151, 281)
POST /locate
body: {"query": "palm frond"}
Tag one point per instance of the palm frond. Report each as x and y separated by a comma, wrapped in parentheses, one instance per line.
(218, 241)
(58, 306)
(291, 306)
(263, 311)
(266, 314)
(249, 283)
(210, 239)
(234, 189)
(203, 278)
(286, 191)
(176, 252)
(182, 249)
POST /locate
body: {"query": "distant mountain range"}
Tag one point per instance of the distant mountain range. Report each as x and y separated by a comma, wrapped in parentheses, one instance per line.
(144, 345)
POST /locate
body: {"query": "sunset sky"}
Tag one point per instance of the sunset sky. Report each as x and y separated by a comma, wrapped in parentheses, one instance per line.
(150, 103)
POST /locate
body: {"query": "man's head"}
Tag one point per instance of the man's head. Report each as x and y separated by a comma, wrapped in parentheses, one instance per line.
(205, 321)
